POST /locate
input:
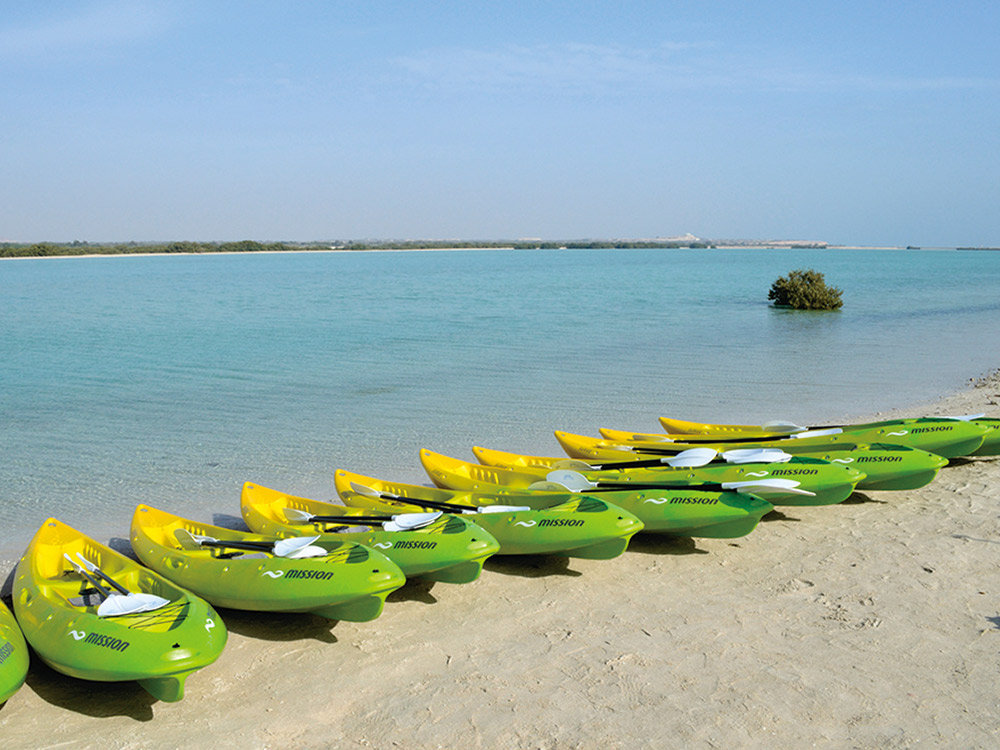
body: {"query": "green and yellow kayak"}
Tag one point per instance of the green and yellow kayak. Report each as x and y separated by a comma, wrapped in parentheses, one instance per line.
(716, 515)
(449, 548)
(71, 612)
(13, 655)
(807, 482)
(948, 437)
(339, 579)
(991, 441)
(575, 526)
(886, 466)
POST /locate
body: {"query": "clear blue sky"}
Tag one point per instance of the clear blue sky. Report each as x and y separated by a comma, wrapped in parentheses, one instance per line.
(851, 122)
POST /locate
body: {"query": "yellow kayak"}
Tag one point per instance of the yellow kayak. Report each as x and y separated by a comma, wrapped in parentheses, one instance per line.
(886, 466)
(13, 655)
(448, 548)
(92, 613)
(948, 437)
(570, 525)
(808, 482)
(333, 578)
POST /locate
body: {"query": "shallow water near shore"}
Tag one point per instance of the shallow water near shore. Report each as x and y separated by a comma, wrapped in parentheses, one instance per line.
(173, 380)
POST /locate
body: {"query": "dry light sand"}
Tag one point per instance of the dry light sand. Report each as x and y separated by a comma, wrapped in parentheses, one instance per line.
(871, 624)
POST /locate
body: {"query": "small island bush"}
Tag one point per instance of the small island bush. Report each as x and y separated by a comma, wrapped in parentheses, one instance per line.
(805, 289)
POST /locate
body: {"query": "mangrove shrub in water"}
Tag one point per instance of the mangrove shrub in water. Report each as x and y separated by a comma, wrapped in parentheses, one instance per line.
(804, 289)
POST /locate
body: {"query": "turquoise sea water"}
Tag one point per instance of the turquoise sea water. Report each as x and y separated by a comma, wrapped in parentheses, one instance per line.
(173, 380)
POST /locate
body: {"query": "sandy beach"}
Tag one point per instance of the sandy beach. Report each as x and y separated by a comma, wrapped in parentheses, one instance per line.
(870, 624)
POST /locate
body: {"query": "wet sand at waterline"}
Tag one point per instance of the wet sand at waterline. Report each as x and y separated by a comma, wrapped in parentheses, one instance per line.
(870, 624)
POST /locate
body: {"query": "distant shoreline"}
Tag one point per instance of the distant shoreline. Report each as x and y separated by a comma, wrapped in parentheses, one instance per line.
(249, 252)
(52, 250)
(77, 249)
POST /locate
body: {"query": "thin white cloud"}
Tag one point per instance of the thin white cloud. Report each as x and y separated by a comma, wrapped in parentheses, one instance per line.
(597, 69)
(93, 26)
(565, 67)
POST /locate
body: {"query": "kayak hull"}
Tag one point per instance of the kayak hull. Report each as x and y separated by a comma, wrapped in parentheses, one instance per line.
(350, 583)
(680, 513)
(913, 472)
(827, 487)
(831, 484)
(886, 467)
(991, 441)
(951, 438)
(572, 526)
(606, 550)
(13, 655)
(57, 611)
(449, 550)
(694, 513)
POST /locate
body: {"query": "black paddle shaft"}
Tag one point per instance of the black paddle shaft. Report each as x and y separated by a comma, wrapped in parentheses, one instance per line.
(704, 439)
(251, 546)
(93, 582)
(350, 520)
(108, 579)
(612, 487)
(640, 464)
(450, 507)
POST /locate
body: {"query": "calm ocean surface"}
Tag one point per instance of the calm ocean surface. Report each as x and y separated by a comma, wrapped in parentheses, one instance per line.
(173, 380)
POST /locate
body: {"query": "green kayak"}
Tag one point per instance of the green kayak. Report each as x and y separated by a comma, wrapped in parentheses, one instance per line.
(92, 613)
(716, 515)
(332, 578)
(13, 655)
(449, 549)
(585, 527)
(991, 441)
(802, 481)
(886, 467)
(948, 437)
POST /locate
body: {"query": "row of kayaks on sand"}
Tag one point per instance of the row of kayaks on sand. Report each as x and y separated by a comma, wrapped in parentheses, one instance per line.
(94, 613)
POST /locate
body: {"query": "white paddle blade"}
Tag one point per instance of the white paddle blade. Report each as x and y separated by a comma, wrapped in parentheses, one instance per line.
(310, 550)
(287, 547)
(119, 604)
(184, 538)
(548, 487)
(199, 537)
(187, 540)
(79, 569)
(572, 464)
(692, 457)
(297, 516)
(647, 437)
(366, 491)
(503, 508)
(764, 487)
(410, 521)
(818, 433)
(102, 575)
(756, 456)
(779, 425)
(964, 417)
(574, 481)
(630, 449)
(91, 566)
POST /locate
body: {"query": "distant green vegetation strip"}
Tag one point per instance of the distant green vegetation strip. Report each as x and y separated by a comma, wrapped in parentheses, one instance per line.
(44, 249)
